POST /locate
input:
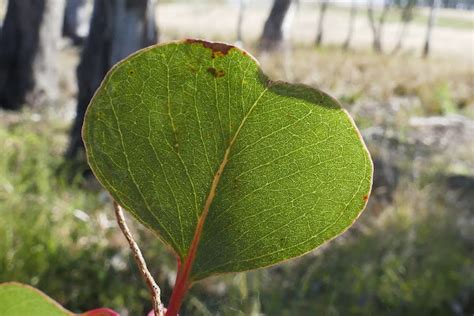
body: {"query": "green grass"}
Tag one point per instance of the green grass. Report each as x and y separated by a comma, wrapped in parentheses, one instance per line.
(54, 235)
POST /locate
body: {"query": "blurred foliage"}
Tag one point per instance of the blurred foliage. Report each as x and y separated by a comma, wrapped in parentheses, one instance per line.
(411, 260)
(58, 236)
(437, 99)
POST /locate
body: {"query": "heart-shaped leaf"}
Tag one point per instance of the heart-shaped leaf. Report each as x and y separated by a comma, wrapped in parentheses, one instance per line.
(232, 170)
(23, 300)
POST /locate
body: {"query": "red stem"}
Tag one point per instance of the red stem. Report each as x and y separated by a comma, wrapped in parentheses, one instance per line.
(179, 292)
(183, 283)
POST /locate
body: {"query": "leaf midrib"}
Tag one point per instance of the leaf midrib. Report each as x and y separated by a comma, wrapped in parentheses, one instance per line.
(189, 260)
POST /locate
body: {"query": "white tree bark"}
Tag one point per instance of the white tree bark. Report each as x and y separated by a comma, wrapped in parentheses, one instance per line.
(76, 20)
(45, 66)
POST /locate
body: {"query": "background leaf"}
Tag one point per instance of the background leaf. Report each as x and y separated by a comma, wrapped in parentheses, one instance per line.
(232, 170)
(23, 300)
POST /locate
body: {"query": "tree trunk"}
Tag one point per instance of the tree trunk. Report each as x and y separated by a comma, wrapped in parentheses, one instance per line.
(403, 32)
(28, 52)
(377, 27)
(322, 13)
(370, 14)
(118, 28)
(272, 34)
(240, 19)
(72, 21)
(382, 19)
(405, 18)
(350, 30)
(431, 20)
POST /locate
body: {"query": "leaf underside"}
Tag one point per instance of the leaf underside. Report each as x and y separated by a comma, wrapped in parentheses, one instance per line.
(202, 148)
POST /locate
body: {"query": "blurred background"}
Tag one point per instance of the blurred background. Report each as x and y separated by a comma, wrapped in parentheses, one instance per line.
(404, 69)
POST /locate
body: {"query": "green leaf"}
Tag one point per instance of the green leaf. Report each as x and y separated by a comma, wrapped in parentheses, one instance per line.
(23, 300)
(18, 299)
(232, 170)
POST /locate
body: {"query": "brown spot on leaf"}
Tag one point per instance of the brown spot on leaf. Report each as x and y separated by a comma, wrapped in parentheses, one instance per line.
(193, 69)
(365, 197)
(216, 73)
(218, 49)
